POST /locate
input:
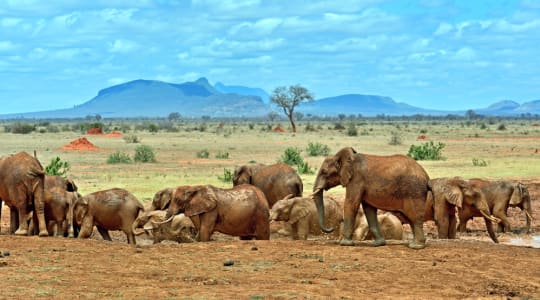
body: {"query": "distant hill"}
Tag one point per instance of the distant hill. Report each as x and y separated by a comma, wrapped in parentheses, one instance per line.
(151, 98)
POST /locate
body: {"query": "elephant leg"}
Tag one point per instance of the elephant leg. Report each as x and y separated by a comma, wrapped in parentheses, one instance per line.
(294, 231)
(104, 233)
(373, 223)
(23, 222)
(302, 229)
(86, 228)
(350, 210)
(452, 226)
(490, 230)
(207, 227)
(13, 219)
(130, 237)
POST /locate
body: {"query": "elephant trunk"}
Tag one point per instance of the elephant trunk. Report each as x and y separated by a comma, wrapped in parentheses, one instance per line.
(135, 228)
(318, 198)
(71, 229)
(528, 213)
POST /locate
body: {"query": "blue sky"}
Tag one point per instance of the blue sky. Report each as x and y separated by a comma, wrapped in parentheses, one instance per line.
(438, 54)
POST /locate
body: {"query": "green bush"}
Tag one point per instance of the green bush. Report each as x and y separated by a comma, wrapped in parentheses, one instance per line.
(426, 151)
(222, 155)
(291, 156)
(144, 153)
(395, 139)
(131, 139)
(227, 176)
(20, 128)
(351, 130)
(57, 167)
(304, 168)
(318, 149)
(478, 162)
(119, 158)
(203, 154)
(501, 127)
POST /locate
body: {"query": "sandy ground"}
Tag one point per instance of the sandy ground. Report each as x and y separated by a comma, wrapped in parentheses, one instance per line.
(226, 268)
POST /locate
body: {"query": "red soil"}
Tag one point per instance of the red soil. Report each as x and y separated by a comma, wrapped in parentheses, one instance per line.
(421, 137)
(113, 134)
(80, 144)
(94, 131)
(279, 129)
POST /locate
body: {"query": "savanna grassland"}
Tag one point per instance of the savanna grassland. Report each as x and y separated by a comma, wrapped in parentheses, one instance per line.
(318, 268)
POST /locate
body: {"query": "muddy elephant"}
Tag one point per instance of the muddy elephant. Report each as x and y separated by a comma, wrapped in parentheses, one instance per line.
(22, 181)
(161, 199)
(181, 229)
(391, 227)
(241, 211)
(450, 193)
(301, 214)
(394, 183)
(112, 209)
(275, 181)
(59, 197)
(500, 195)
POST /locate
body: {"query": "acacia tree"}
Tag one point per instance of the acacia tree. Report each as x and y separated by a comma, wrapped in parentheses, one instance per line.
(289, 98)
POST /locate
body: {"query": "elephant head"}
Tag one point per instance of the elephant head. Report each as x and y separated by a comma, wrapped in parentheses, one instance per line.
(80, 210)
(522, 199)
(145, 222)
(335, 170)
(458, 192)
(192, 200)
(162, 199)
(283, 210)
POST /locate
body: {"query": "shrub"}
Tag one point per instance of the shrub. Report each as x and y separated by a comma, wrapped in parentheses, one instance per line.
(303, 168)
(57, 167)
(119, 158)
(395, 139)
(222, 155)
(291, 156)
(478, 162)
(501, 127)
(227, 176)
(338, 126)
(144, 153)
(131, 139)
(426, 151)
(153, 128)
(351, 130)
(20, 128)
(203, 154)
(317, 149)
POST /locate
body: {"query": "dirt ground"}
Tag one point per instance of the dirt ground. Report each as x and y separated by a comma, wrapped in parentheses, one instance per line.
(226, 268)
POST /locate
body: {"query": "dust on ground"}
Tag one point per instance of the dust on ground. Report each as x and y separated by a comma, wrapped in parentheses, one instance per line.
(227, 268)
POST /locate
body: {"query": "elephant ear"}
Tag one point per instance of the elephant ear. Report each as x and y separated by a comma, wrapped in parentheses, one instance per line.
(71, 186)
(165, 198)
(517, 195)
(301, 208)
(344, 164)
(243, 171)
(453, 195)
(200, 200)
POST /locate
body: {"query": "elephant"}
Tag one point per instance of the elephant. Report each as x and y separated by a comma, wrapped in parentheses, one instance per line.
(59, 198)
(391, 227)
(449, 193)
(22, 181)
(500, 195)
(301, 214)
(275, 181)
(240, 211)
(161, 199)
(112, 209)
(394, 183)
(181, 229)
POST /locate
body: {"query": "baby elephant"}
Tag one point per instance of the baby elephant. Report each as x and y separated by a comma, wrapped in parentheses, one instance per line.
(301, 214)
(180, 229)
(390, 225)
(113, 209)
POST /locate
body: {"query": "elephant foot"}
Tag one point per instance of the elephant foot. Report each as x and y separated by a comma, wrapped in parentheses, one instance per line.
(379, 242)
(44, 233)
(21, 232)
(416, 246)
(345, 242)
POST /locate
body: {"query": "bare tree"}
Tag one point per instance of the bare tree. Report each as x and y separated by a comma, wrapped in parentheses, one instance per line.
(289, 98)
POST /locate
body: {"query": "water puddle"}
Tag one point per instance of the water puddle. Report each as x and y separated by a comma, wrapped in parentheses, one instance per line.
(533, 241)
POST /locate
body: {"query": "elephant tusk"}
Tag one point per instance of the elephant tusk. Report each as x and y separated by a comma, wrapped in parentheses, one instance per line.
(138, 231)
(529, 215)
(163, 222)
(490, 217)
(315, 192)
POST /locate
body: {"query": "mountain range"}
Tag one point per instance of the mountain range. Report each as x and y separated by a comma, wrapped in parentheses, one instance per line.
(151, 98)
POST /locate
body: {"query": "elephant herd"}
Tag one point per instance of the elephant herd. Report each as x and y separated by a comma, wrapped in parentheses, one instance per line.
(262, 194)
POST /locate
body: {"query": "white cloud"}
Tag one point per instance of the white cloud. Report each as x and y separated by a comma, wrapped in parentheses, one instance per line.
(465, 53)
(6, 46)
(123, 46)
(10, 22)
(444, 28)
(227, 5)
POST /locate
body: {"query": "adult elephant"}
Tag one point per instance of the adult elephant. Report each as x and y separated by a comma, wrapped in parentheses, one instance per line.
(162, 199)
(60, 195)
(301, 214)
(241, 211)
(21, 187)
(394, 183)
(446, 195)
(500, 195)
(275, 181)
(112, 209)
